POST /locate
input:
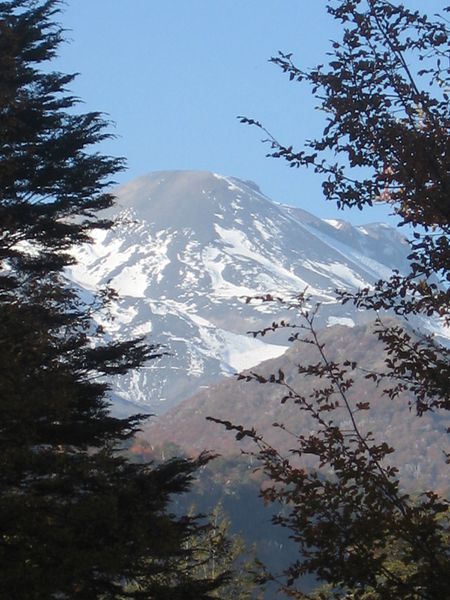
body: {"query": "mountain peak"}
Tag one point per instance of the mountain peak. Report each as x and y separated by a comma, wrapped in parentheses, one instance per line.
(186, 199)
(187, 250)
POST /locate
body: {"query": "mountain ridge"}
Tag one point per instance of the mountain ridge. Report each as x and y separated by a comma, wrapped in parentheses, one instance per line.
(420, 443)
(187, 249)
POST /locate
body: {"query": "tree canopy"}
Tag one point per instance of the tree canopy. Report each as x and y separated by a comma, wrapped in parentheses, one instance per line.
(77, 519)
(384, 93)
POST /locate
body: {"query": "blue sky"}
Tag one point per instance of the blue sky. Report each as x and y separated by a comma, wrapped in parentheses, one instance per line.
(174, 74)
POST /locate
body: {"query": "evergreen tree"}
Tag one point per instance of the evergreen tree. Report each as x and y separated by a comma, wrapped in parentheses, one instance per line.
(77, 520)
(216, 553)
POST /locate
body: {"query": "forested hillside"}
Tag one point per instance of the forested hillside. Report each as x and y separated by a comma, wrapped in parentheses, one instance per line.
(419, 444)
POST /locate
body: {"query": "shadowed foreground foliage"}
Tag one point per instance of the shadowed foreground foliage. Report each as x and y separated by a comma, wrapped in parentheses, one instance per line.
(384, 92)
(77, 519)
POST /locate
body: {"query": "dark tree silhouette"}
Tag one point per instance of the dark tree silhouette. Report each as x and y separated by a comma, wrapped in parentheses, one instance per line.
(77, 519)
(384, 92)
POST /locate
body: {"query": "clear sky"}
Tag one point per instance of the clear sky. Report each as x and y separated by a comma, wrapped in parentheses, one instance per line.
(174, 74)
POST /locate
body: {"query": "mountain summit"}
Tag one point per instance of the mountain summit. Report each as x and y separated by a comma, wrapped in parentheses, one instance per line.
(188, 248)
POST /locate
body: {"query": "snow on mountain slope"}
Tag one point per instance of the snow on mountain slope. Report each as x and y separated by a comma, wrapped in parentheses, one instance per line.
(187, 249)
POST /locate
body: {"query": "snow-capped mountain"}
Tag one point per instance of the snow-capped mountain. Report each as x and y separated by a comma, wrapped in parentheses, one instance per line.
(186, 251)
